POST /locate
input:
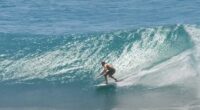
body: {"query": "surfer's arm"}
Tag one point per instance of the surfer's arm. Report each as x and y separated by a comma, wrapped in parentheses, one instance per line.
(103, 72)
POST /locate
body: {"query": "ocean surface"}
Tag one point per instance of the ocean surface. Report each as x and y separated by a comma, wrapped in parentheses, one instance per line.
(51, 53)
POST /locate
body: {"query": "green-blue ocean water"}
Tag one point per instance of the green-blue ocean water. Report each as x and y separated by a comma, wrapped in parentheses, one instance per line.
(159, 66)
(51, 53)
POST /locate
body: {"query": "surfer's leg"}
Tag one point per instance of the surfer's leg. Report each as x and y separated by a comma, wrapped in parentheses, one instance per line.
(113, 78)
(106, 79)
(110, 75)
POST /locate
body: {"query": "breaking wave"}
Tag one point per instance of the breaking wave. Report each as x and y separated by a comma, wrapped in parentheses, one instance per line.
(157, 56)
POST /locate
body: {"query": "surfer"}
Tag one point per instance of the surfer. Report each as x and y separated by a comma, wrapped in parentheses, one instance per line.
(108, 70)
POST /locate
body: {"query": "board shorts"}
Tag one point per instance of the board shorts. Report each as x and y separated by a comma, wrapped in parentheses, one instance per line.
(111, 72)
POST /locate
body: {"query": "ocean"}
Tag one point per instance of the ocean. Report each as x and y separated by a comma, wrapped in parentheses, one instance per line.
(51, 53)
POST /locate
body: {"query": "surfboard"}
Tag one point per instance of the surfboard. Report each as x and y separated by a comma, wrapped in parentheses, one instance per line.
(112, 84)
(106, 85)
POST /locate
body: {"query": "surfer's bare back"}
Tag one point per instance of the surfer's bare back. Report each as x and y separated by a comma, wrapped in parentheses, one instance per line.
(108, 70)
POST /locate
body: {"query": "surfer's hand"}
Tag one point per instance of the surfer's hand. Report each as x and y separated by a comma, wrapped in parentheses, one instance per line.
(102, 73)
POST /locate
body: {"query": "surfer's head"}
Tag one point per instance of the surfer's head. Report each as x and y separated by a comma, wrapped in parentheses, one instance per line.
(103, 63)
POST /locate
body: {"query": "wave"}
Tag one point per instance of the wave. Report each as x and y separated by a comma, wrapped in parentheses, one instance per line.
(156, 56)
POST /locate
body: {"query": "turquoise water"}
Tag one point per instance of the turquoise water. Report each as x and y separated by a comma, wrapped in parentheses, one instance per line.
(50, 54)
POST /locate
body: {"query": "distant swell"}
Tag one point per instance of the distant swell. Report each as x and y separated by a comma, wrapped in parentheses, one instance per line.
(137, 54)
